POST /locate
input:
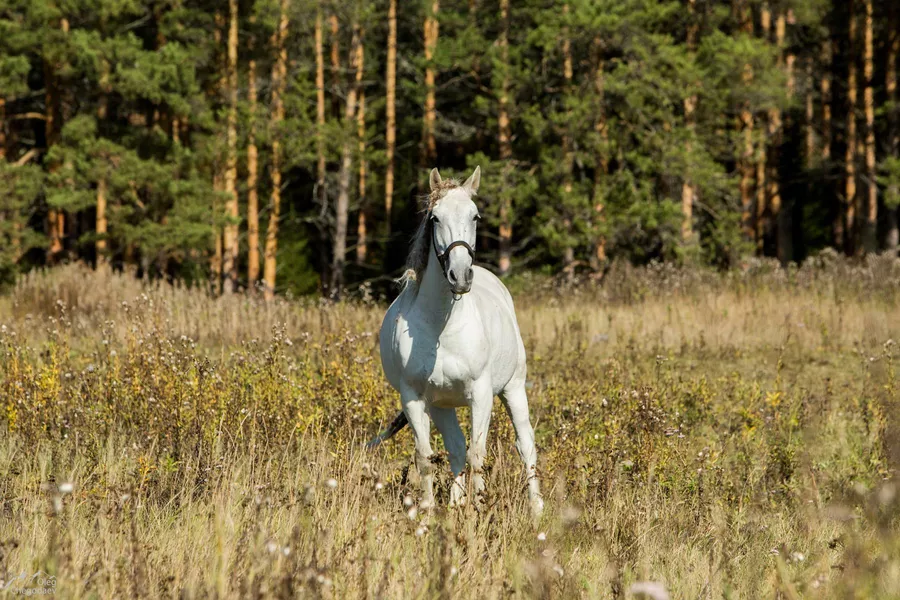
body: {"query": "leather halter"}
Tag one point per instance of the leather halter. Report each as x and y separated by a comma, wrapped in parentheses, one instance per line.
(444, 258)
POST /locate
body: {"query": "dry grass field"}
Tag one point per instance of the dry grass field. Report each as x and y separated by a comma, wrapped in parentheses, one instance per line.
(715, 436)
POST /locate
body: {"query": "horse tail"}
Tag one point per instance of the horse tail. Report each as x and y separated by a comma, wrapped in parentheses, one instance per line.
(399, 422)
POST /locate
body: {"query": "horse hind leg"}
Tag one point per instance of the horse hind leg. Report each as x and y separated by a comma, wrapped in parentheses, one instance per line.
(455, 442)
(416, 413)
(515, 400)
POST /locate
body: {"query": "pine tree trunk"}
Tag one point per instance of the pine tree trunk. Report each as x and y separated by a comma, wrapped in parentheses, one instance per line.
(825, 92)
(56, 219)
(810, 129)
(776, 134)
(217, 258)
(871, 222)
(390, 110)
(230, 241)
(690, 105)
(504, 142)
(279, 76)
(568, 153)
(782, 210)
(429, 147)
(361, 233)
(335, 66)
(320, 112)
(100, 222)
(252, 173)
(810, 114)
(762, 189)
(602, 167)
(893, 191)
(850, 154)
(342, 209)
(745, 165)
(215, 262)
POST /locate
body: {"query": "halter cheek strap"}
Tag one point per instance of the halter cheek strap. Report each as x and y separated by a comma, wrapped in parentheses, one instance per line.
(444, 258)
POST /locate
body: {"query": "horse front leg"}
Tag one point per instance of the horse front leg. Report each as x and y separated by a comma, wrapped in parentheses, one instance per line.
(455, 442)
(481, 401)
(417, 414)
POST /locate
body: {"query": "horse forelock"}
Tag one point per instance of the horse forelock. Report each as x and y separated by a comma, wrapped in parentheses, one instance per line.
(417, 259)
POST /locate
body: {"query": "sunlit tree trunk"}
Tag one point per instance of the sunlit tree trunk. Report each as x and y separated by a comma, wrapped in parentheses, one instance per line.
(809, 124)
(745, 165)
(390, 135)
(781, 211)
(567, 146)
(850, 154)
(279, 76)
(335, 66)
(871, 223)
(690, 106)
(217, 258)
(342, 209)
(504, 143)
(230, 241)
(361, 232)
(320, 111)
(100, 221)
(762, 189)
(215, 261)
(810, 116)
(893, 191)
(602, 167)
(56, 218)
(252, 173)
(429, 147)
(825, 91)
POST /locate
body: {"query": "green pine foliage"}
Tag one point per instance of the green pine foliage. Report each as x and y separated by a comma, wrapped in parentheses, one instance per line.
(133, 93)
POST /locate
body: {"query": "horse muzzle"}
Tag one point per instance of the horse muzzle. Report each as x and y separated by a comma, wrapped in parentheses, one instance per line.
(460, 284)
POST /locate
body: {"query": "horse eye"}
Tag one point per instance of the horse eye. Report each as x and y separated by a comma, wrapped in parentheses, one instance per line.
(434, 219)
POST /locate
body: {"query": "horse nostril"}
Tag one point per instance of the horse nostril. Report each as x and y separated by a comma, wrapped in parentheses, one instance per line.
(470, 274)
(451, 276)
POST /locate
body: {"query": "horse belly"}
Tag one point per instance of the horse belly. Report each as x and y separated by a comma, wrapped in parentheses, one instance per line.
(448, 399)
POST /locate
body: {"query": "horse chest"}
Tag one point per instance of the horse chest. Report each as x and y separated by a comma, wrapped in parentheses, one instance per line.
(446, 365)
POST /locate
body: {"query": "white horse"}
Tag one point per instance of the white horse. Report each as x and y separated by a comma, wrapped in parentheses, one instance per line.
(451, 340)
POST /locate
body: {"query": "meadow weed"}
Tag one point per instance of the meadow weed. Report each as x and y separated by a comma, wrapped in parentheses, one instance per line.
(701, 435)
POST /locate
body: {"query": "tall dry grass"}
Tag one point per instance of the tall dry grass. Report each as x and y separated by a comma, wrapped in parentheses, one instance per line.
(718, 435)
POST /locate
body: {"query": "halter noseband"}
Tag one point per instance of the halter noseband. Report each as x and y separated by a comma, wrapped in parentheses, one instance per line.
(444, 258)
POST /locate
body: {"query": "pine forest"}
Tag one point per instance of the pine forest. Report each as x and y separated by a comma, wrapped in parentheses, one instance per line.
(281, 146)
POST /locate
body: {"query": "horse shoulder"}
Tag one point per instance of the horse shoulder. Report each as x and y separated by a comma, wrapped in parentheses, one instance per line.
(491, 283)
(499, 317)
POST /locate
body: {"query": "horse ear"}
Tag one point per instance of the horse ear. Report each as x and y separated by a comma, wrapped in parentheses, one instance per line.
(435, 179)
(474, 181)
